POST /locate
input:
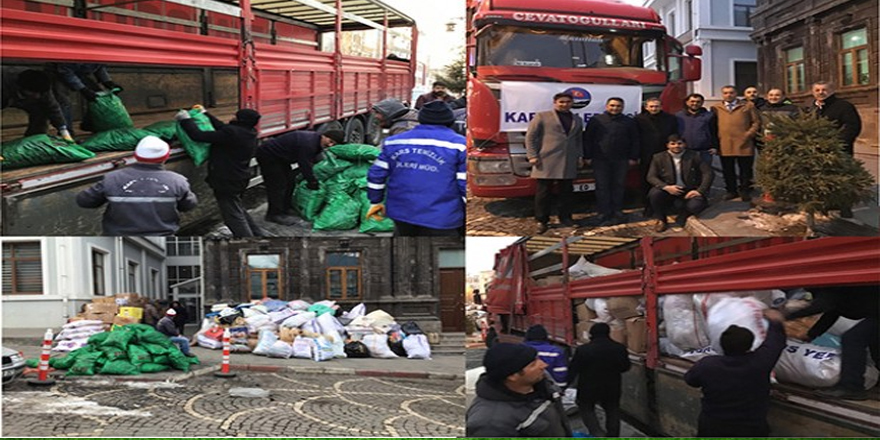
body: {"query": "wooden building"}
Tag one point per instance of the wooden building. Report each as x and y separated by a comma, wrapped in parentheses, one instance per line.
(804, 41)
(419, 279)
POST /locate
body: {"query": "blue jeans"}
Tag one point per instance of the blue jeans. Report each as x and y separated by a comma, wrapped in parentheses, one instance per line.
(181, 342)
(610, 178)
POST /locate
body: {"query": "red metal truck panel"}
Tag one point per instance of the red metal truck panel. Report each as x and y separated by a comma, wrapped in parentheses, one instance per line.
(628, 283)
(813, 263)
(598, 8)
(33, 36)
(285, 30)
(550, 307)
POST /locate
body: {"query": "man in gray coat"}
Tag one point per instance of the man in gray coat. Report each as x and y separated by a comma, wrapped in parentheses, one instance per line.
(553, 146)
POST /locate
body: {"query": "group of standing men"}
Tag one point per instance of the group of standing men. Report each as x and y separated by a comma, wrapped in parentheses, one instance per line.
(674, 152)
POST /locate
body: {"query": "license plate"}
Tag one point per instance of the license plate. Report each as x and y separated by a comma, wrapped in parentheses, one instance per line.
(584, 187)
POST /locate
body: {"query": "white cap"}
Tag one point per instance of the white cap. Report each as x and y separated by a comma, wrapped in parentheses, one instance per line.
(171, 312)
(152, 150)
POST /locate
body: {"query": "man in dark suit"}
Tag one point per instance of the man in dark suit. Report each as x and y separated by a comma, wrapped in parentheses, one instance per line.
(678, 176)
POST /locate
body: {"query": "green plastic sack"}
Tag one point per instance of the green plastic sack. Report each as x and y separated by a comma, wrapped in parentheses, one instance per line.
(320, 309)
(85, 364)
(357, 172)
(107, 112)
(113, 353)
(154, 349)
(162, 359)
(165, 130)
(330, 166)
(97, 339)
(119, 139)
(119, 338)
(340, 184)
(370, 225)
(356, 152)
(138, 355)
(154, 337)
(341, 213)
(40, 150)
(65, 362)
(178, 360)
(308, 202)
(33, 362)
(121, 368)
(150, 367)
(198, 151)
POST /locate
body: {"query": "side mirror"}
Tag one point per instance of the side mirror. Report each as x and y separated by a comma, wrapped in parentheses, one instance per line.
(692, 68)
(693, 50)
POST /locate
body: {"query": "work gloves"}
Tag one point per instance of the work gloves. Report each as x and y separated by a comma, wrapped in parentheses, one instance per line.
(181, 115)
(89, 94)
(313, 185)
(65, 134)
(376, 212)
(199, 107)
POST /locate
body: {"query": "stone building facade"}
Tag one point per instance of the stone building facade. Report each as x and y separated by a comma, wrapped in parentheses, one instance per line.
(804, 41)
(420, 279)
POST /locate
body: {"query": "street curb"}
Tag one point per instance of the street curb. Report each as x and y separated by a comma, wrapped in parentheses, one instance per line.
(696, 227)
(333, 370)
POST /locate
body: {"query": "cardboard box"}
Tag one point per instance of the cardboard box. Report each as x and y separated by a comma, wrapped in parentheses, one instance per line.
(107, 318)
(132, 312)
(582, 331)
(618, 334)
(124, 320)
(797, 328)
(550, 281)
(636, 334)
(584, 313)
(623, 307)
(104, 300)
(102, 308)
(123, 299)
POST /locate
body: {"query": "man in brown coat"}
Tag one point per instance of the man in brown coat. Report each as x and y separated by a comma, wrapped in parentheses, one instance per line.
(738, 124)
(553, 146)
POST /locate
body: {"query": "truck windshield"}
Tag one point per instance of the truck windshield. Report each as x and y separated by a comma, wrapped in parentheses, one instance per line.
(514, 46)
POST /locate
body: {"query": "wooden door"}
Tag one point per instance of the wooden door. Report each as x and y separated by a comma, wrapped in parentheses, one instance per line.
(452, 291)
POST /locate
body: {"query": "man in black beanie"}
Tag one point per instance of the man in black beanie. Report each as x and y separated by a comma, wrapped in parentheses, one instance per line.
(597, 366)
(232, 147)
(736, 385)
(275, 157)
(421, 175)
(515, 398)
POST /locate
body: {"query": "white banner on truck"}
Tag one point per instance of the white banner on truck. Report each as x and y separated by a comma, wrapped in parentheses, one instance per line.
(520, 101)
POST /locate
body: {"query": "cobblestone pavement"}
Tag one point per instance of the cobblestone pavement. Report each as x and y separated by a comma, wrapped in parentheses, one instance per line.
(298, 405)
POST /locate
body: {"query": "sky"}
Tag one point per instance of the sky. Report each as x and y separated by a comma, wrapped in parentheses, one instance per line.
(480, 252)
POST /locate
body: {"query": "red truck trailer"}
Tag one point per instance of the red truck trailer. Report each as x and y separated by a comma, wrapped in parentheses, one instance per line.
(171, 54)
(522, 52)
(655, 395)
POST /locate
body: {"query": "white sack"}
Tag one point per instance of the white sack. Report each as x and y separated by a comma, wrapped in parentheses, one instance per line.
(842, 325)
(264, 343)
(71, 344)
(328, 324)
(279, 316)
(378, 346)
(417, 347)
(256, 321)
(298, 319)
(743, 312)
(685, 327)
(815, 366)
(600, 306)
(83, 323)
(204, 341)
(697, 354)
(298, 304)
(323, 350)
(584, 269)
(302, 347)
(280, 349)
(355, 312)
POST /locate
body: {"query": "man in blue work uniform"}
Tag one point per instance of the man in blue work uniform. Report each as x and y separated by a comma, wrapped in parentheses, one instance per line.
(422, 177)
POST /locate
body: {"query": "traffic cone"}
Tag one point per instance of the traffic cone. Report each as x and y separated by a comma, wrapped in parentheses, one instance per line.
(224, 368)
(43, 378)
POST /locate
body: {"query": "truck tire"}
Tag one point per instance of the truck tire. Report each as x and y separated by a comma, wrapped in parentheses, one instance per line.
(354, 131)
(373, 131)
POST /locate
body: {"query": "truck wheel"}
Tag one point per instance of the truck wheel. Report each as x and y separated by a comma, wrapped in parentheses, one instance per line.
(354, 131)
(373, 130)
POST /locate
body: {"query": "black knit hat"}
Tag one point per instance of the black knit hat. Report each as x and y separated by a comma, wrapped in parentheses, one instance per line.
(736, 341)
(504, 359)
(248, 117)
(600, 329)
(536, 333)
(436, 113)
(338, 136)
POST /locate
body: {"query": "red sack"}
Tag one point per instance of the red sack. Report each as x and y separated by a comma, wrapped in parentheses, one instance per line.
(215, 333)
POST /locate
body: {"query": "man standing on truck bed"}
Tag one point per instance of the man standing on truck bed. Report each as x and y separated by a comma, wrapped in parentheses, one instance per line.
(698, 127)
(232, 147)
(738, 125)
(422, 176)
(395, 116)
(515, 397)
(275, 157)
(598, 366)
(31, 90)
(554, 148)
(611, 146)
(861, 303)
(736, 385)
(438, 93)
(78, 78)
(143, 199)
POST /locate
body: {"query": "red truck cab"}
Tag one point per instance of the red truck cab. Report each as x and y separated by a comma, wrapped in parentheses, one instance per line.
(526, 51)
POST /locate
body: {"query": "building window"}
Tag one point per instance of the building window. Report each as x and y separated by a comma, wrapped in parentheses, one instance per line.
(670, 23)
(742, 12)
(688, 15)
(22, 268)
(154, 283)
(794, 70)
(854, 58)
(343, 275)
(132, 272)
(264, 276)
(181, 274)
(99, 273)
(183, 246)
(745, 74)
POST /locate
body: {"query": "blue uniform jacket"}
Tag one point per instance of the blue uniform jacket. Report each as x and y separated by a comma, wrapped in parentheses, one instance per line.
(422, 176)
(554, 357)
